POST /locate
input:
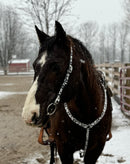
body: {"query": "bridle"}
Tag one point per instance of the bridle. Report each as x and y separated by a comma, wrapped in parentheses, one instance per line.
(51, 109)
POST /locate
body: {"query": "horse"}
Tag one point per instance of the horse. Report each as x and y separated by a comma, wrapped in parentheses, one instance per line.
(69, 97)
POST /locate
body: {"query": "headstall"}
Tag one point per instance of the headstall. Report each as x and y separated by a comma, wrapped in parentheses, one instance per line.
(51, 109)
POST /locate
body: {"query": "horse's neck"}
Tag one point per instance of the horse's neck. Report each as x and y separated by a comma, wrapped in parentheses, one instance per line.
(90, 96)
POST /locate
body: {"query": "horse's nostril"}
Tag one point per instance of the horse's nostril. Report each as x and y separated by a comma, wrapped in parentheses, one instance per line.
(34, 118)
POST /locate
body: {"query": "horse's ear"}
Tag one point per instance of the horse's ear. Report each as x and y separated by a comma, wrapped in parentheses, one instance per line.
(41, 35)
(59, 32)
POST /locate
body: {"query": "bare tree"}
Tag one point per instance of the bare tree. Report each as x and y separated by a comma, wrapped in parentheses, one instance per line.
(8, 30)
(27, 46)
(43, 12)
(114, 42)
(88, 32)
(102, 49)
(127, 11)
(123, 34)
(113, 34)
(127, 21)
(13, 40)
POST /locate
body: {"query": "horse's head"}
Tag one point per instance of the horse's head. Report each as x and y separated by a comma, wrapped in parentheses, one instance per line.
(50, 69)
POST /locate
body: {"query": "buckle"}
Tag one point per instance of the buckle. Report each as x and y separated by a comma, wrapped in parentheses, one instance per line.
(51, 109)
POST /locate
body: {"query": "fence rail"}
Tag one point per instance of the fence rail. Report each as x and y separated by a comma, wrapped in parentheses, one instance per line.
(125, 89)
(112, 73)
(118, 78)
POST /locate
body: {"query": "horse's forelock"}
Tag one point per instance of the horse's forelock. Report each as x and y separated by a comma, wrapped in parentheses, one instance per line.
(42, 60)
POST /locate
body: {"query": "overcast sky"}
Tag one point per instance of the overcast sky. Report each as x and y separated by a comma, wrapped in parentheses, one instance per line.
(101, 11)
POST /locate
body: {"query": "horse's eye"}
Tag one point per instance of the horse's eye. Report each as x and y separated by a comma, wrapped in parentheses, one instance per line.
(54, 67)
(37, 68)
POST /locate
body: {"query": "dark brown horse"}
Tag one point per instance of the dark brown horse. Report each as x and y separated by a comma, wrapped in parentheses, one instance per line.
(69, 97)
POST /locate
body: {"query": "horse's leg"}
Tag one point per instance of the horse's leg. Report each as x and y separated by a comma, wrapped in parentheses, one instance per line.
(66, 154)
(66, 158)
(92, 156)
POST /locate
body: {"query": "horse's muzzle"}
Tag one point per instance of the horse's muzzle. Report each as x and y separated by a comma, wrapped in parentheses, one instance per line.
(35, 121)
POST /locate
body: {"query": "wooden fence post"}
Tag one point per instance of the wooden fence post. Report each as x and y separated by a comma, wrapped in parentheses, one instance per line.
(127, 84)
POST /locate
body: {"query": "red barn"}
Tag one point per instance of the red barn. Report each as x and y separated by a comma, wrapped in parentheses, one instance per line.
(19, 65)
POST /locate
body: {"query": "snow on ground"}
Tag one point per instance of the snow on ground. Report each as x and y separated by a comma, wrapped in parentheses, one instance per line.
(32, 159)
(5, 94)
(7, 84)
(117, 150)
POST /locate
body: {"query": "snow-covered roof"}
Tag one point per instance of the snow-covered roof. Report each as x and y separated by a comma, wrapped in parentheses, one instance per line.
(13, 61)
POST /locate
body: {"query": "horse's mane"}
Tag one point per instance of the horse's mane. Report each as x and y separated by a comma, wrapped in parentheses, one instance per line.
(89, 66)
(82, 48)
(90, 75)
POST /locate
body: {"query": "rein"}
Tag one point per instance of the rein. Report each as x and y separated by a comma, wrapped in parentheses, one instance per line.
(51, 109)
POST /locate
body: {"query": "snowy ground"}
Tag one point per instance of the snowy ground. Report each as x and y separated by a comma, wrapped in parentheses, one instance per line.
(5, 94)
(116, 151)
